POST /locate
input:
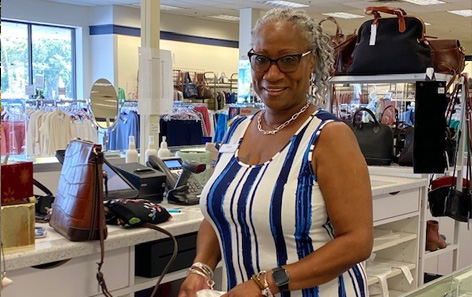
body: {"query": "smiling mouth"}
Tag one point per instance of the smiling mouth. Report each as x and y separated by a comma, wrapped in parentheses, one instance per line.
(274, 89)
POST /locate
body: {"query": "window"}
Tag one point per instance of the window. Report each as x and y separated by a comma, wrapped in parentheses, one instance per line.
(29, 50)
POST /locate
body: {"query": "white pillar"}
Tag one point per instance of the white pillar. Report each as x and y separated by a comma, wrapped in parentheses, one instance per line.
(149, 73)
(247, 20)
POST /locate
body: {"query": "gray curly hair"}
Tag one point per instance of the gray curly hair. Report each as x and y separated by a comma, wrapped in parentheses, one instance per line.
(318, 41)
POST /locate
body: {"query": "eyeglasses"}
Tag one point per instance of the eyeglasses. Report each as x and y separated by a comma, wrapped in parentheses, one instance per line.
(288, 63)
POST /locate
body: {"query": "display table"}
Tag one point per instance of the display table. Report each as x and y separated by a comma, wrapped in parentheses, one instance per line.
(457, 284)
(396, 207)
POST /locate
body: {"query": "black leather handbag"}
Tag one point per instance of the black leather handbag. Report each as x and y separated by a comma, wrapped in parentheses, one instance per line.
(375, 139)
(391, 45)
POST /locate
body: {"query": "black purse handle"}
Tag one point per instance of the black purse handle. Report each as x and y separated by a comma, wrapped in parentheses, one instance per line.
(366, 110)
(42, 187)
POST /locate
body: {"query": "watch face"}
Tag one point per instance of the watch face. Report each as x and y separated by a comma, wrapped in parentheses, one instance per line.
(280, 277)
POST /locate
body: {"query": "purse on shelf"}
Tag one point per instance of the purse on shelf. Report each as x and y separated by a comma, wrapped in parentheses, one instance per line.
(400, 129)
(405, 157)
(189, 89)
(390, 45)
(343, 46)
(446, 200)
(204, 91)
(375, 139)
(78, 212)
(448, 56)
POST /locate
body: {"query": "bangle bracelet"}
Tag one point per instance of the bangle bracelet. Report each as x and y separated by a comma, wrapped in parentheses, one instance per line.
(203, 267)
(257, 281)
(210, 282)
(266, 290)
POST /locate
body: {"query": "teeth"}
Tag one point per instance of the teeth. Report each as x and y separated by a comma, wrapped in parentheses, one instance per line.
(274, 90)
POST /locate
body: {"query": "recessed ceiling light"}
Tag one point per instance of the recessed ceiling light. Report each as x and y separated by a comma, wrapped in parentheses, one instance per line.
(425, 2)
(168, 7)
(225, 17)
(464, 12)
(286, 3)
(343, 15)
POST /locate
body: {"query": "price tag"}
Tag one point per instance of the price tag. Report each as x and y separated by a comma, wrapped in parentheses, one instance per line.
(29, 90)
(373, 34)
(228, 148)
(39, 81)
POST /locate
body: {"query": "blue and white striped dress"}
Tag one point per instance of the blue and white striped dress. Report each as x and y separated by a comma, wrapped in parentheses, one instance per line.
(272, 214)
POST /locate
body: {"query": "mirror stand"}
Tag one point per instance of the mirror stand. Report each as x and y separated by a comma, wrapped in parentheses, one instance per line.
(105, 138)
(104, 107)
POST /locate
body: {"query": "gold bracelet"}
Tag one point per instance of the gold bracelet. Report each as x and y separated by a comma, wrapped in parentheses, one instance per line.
(266, 292)
(257, 281)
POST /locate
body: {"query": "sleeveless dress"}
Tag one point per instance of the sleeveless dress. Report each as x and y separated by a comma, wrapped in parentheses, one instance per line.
(272, 214)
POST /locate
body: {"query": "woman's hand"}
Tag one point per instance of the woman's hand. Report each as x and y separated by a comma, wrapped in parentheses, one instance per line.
(192, 284)
(246, 289)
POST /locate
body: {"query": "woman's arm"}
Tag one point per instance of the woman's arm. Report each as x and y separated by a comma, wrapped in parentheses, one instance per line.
(345, 184)
(208, 252)
(208, 247)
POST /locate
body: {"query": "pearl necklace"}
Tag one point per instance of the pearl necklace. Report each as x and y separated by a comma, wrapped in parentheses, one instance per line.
(278, 128)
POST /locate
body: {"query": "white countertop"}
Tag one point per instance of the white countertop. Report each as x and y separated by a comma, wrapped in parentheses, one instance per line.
(54, 247)
(388, 184)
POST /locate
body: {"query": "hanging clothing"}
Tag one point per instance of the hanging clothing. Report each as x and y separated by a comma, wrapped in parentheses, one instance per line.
(221, 126)
(181, 132)
(272, 214)
(128, 125)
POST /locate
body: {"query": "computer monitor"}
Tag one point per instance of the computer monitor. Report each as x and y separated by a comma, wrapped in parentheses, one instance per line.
(118, 185)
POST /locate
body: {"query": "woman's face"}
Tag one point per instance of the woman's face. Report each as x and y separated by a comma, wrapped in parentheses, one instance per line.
(278, 89)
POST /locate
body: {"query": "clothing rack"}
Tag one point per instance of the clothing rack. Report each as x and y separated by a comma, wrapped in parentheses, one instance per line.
(178, 104)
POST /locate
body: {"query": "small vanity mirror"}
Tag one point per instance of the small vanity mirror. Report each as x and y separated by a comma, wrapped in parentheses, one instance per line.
(104, 104)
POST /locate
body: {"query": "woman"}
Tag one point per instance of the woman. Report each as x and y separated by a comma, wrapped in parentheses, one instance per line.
(289, 207)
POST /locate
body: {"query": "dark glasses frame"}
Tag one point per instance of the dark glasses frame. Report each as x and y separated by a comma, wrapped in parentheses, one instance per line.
(298, 57)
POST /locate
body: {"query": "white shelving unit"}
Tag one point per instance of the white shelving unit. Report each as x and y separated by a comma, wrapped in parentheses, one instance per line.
(403, 237)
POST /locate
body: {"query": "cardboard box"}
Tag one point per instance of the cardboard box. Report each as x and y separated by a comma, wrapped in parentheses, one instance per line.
(18, 226)
(17, 183)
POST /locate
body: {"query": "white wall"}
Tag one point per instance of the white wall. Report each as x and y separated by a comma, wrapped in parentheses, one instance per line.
(127, 63)
(184, 55)
(102, 48)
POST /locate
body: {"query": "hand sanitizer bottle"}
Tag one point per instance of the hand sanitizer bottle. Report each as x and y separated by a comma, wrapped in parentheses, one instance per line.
(151, 150)
(131, 153)
(163, 152)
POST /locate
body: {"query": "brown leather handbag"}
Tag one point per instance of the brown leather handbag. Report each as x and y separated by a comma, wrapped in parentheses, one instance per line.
(343, 46)
(78, 207)
(78, 211)
(448, 56)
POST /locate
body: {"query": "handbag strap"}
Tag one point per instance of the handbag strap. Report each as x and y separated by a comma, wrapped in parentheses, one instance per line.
(171, 260)
(101, 218)
(374, 10)
(397, 122)
(42, 187)
(366, 110)
(338, 36)
(452, 103)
